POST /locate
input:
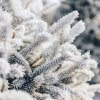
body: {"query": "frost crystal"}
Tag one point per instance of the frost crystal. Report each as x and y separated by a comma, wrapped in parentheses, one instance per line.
(39, 61)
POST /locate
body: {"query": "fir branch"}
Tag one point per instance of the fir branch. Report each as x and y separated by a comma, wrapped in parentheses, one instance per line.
(15, 57)
(27, 86)
(27, 50)
(66, 20)
(55, 92)
(77, 29)
(41, 69)
(65, 74)
(70, 90)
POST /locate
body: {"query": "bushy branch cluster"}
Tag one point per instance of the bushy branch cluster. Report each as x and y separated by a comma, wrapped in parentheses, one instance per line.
(38, 61)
